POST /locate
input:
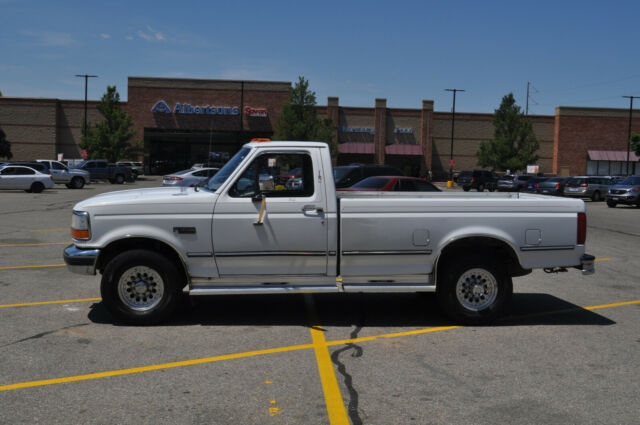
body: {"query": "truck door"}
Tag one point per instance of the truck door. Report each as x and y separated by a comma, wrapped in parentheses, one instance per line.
(289, 237)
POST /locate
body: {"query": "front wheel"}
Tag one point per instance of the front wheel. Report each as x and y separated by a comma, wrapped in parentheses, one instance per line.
(466, 188)
(119, 179)
(611, 204)
(480, 187)
(473, 291)
(37, 187)
(77, 183)
(141, 287)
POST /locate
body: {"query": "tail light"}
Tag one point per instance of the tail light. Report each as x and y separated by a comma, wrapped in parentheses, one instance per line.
(557, 185)
(536, 185)
(473, 179)
(176, 178)
(50, 176)
(582, 228)
(584, 185)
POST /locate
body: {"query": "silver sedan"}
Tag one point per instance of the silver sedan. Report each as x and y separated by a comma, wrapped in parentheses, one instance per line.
(190, 177)
(24, 178)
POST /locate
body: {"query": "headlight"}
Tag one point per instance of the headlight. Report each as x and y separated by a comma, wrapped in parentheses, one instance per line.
(80, 226)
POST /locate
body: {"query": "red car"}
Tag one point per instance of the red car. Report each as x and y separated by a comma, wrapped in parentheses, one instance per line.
(392, 184)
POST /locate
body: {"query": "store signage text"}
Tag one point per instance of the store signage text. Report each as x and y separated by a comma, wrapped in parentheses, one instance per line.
(255, 112)
(399, 130)
(186, 108)
(357, 129)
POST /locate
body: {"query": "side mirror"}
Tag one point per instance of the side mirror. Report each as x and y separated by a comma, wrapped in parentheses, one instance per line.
(266, 183)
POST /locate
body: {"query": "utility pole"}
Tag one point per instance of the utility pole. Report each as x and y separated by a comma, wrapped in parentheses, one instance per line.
(453, 123)
(86, 83)
(629, 135)
(526, 110)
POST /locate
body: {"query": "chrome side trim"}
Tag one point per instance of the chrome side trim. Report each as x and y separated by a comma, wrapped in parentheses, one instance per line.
(271, 253)
(288, 289)
(547, 248)
(199, 254)
(398, 252)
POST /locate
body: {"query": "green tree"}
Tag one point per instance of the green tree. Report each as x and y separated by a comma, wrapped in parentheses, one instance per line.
(5, 146)
(514, 143)
(111, 138)
(635, 143)
(299, 121)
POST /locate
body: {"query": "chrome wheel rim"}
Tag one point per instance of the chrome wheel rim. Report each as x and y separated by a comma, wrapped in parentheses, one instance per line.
(476, 289)
(140, 288)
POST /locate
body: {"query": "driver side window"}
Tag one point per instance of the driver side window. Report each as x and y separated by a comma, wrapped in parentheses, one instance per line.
(291, 175)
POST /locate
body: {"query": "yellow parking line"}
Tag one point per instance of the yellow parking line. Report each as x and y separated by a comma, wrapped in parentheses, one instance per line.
(263, 352)
(32, 267)
(50, 302)
(35, 244)
(332, 395)
(602, 259)
(60, 229)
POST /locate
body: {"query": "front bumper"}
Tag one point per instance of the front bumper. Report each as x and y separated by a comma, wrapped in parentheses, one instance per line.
(81, 261)
(623, 198)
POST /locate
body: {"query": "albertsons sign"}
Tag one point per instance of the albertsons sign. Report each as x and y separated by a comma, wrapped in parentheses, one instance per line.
(161, 107)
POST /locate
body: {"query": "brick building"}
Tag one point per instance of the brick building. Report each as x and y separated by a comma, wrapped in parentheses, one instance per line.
(181, 121)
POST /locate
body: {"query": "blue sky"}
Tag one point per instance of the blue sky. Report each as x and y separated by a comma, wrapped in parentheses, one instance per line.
(574, 53)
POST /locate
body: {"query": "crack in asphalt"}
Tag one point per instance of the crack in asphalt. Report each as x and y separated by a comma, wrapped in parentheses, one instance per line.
(352, 407)
(615, 231)
(41, 334)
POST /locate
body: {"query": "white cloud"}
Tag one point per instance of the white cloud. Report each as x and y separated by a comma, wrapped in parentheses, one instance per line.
(151, 35)
(105, 36)
(50, 39)
(129, 37)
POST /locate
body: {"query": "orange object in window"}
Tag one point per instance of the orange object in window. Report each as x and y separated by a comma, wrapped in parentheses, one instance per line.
(260, 140)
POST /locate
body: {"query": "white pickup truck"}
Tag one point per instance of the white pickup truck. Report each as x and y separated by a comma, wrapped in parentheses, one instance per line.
(270, 222)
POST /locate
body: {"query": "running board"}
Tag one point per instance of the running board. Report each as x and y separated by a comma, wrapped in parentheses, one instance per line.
(304, 289)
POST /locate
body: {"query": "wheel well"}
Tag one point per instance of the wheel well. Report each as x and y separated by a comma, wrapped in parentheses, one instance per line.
(484, 245)
(122, 245)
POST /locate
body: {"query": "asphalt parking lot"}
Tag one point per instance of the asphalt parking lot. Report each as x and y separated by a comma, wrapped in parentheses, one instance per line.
(568, 350)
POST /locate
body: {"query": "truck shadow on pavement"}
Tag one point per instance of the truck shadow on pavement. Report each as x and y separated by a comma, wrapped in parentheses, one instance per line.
(377, 310)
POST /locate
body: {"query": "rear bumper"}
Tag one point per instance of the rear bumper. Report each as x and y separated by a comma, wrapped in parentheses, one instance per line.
(587, 264)
(81, 261)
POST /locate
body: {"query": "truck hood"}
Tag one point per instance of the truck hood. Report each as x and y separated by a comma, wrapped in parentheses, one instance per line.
(157, 200)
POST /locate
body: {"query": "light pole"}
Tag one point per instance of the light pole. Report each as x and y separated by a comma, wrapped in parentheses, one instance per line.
(629, 134)
(86, 83)
(453, 123)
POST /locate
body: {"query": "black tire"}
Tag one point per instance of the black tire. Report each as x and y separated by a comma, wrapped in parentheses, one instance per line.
(119, 179)
(37, 187)
(134, 175)
(480, 187)
(466, 188)
(68, 185)
(596, 196)
(489, 279)
(163, 280)
(77, 183)
(611, 204)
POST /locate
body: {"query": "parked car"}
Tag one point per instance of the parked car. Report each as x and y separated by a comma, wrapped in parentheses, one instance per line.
(392, 184)
(533, 184)
(627, 192)
(594, 187)
(135, 166)
(513, 182)
(100, 169)
(73, 178)
(348, 175)
(553, 186)
(189, 178)
(24, 178)
(478, 179)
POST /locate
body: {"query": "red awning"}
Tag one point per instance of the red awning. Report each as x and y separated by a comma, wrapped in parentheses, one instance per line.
(401, 149)
(355, 147)
(612, 156)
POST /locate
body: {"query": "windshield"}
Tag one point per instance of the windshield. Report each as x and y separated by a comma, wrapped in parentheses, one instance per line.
(507, 177)
(631, 181)
(221, 176)
(371, 183)
(340, 172)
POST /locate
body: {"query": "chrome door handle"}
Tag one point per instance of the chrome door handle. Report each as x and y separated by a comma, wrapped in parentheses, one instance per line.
(311, 209)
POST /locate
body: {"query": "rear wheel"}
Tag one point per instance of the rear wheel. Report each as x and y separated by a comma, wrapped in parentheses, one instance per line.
(37, 187)
(119, 179)
(473, 291)
(141, 287)
(480, 187)
(611, 204)
(596, 196)
(466, 188)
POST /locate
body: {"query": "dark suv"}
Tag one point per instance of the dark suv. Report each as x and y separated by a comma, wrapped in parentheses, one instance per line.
(348, 175)
(477, 179)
